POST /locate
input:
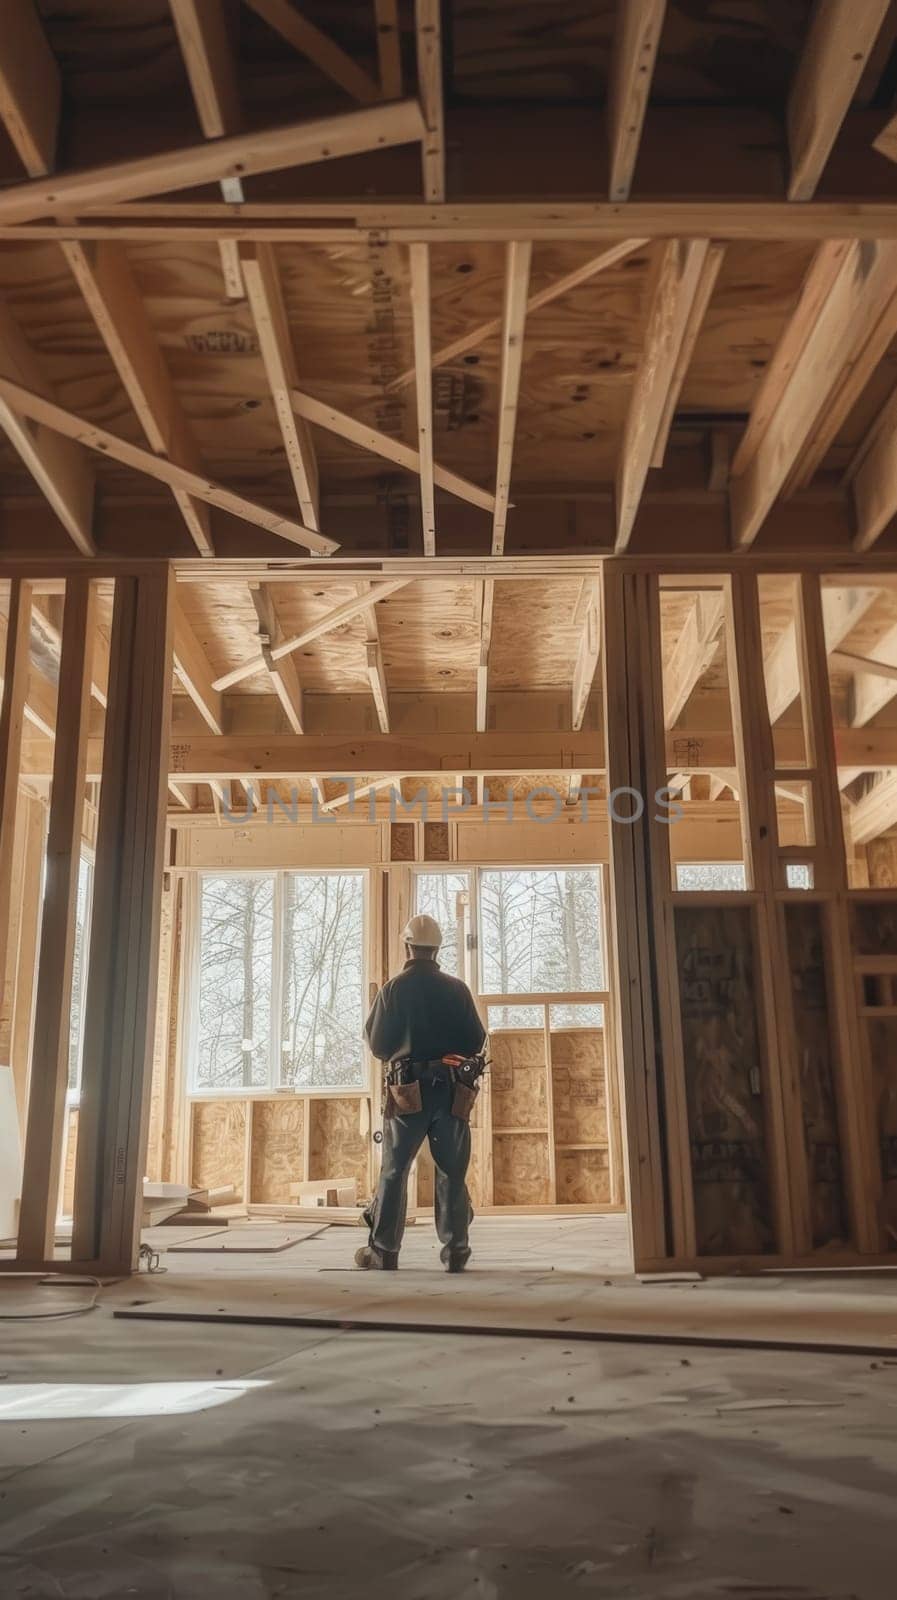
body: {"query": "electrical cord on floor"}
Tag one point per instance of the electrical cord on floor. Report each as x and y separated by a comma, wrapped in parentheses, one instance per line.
(49, 1316)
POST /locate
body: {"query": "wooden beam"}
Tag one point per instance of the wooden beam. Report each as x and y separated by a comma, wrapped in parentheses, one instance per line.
(836, 51)
(369, 438)
(284, 675)
(639, 24)
(50, 1055)
(693, 653)
(695, 321)
(874, 475)
(543, 297)
(25, 402)
(30, 87)
(62, 472)
(486, 599)
(844, 322)
(16, 673)
(124, 946)
(208, 55)
(376, 669)
(239, 156)
(587, 656)
(192, 670)
(361, 791)
(332, 619)
(846, 662)
(389, 48)
(842, 609)
(876, 812)
(419, 258)
(104, 276)
(871, 689)
(260, 275)
(310, 41)
(517, 269)
(428, 25)
(678, 278)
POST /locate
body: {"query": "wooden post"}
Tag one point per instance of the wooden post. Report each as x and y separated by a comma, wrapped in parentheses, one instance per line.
(50, 1054)
(122, 975)
(12, 717)
(647, 1018)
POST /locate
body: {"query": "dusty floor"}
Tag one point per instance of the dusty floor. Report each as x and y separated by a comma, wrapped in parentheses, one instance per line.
(182, 1461)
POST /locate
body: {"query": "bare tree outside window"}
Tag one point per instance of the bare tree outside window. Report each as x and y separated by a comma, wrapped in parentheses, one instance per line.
(323, 974)
(541, 933)
(234, 1001)
(436, 895)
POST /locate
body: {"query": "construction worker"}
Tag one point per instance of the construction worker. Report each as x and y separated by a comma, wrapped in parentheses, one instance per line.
(417, 1019)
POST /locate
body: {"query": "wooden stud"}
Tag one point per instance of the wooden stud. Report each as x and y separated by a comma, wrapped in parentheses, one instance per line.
(419, 257)
(263, 289)
(427, 25)
(678, 277)
(28, 404)
(120, 1006)
(361, 433)
(12, 721)
(639, 25)
(332, 619)
(517, 269)
(836, 50)
(310, 41)
(30, 87)
(240, 155)
(50, 1054)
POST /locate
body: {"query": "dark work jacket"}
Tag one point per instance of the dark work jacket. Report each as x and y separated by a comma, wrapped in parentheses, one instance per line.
(424, 1013)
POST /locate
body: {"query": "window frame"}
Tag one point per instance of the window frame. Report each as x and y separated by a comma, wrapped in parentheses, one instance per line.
(272, 1086)
(745, 890)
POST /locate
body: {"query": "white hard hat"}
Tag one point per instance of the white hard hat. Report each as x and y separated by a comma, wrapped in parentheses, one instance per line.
(422, 931)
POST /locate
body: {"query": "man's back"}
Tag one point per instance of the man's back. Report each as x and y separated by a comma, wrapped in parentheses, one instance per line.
(424, 1013)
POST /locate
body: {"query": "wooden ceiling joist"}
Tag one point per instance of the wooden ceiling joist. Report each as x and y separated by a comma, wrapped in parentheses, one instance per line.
(876, 812)
(428, 26)
(419, 260)
(317, 46)
(205, 42)
(260, 275)
(587, 655)
(237, 156)
(680, 275)
(874, 479)
(517, 270)
(104, 277)
(486, 603)
(26, 403)
(639, 24)
(389, 48)
(697, 311)
(193, 671)
(62, 471)
(843, 324)
(375, 665)
(30, 87)
(332, 619)
(693, 654)
(873, 685)
(382, 444)
(284, 675)
(835, 53)
(843, 610)
(543, 297)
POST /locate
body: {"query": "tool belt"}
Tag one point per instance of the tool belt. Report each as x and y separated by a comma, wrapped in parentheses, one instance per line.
(404, 1077)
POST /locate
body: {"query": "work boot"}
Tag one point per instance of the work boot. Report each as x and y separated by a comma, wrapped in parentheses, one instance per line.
(454, 1260)
(371, 1260)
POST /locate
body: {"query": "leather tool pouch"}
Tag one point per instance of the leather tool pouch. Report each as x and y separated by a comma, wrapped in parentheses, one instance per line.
(463, 1102)
(404, 1099)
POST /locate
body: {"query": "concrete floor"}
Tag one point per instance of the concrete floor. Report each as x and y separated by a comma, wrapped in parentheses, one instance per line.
(346, 1464)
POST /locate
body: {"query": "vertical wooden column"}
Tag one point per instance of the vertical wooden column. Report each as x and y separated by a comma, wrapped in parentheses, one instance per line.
(12, 718)
(50, 1054)
(122, 975)
(648, 1020)
(755, 760)
(858, 1141)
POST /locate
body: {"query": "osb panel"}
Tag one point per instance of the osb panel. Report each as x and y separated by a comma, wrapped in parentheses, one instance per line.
(276, 1153)
(535, 635)
(579, 1094)
(520, 1172)
(583, 1177)
(219, 1145)
(338, 1147)
(882, 1036)
(815, 1032)
(436, 841)
(881, 855)
(724, 1080)
(402, 841)
(68, 1170)
(519, 1088)
(875, 927)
